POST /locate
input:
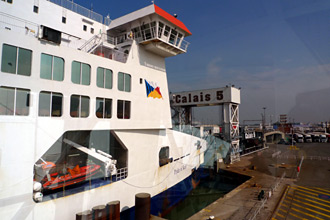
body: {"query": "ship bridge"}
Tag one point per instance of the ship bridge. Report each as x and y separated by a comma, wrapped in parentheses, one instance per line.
(158, 31)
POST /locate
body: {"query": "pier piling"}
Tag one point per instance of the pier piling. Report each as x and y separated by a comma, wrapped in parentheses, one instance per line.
(99, 212)
(113, 210)
(142, 206)
(85, 215)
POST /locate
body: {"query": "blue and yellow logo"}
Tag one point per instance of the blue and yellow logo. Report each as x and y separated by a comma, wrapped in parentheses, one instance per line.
(152, 91)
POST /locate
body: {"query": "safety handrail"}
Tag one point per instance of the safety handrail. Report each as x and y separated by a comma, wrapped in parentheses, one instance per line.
(70, 5)
(90, 43)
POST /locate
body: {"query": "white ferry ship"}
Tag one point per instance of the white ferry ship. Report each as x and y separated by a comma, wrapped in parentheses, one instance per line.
(85, 115)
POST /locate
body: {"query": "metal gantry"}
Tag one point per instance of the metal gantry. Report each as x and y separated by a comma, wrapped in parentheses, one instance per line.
(228, 97)
(231, 128)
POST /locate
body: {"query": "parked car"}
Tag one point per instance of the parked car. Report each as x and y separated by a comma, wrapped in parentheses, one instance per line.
(287, 142)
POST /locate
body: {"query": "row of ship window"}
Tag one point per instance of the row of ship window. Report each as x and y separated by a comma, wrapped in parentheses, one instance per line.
(16, 101)
(16, 60)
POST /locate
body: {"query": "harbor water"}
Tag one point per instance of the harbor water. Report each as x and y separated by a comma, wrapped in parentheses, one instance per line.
(210, 188)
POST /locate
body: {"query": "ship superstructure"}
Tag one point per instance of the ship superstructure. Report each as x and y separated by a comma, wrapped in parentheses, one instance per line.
(84, 108)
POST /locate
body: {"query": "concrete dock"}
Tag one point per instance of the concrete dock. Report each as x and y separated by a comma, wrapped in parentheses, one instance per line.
(289, 192)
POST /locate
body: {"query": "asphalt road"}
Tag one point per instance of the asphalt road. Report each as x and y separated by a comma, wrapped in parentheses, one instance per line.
(315, 167)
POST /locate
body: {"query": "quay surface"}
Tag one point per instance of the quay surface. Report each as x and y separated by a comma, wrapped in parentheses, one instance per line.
(298, 195)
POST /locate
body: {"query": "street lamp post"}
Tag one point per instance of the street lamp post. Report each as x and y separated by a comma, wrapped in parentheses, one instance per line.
(264, 121)
(263, 127)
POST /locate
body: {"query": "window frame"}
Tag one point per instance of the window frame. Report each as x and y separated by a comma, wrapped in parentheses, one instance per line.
(81, 73)
(123, 86)
(122, 109)
(21, 63)
(104, 113)
(161, 28)
(104, 76)
(79, 108)
(61, 76)
(16, 106)
(51, 104)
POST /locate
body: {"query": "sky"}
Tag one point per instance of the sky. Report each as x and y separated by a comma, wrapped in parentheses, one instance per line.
(276, 51)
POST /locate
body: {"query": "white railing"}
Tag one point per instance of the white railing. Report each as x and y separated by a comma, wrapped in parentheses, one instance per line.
(145, 35)
(151, 34)
(70, 5)
(305, 158)
(98, 45)
(91, 43)
(264, 200)
(119, 56)
(118, 39)
(99, 39)
(184, 45)
(16, 24)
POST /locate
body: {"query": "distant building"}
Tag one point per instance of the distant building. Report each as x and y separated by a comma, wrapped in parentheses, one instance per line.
(283, 119)
(285, 128)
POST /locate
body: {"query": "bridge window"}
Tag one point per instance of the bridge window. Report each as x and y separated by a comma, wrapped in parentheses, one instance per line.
(153, 29)
(145, 30)
(123, 109)
(79, 106)
(104, 78)
(124, 82)
(136, 32)
(14, 101)
(174, 33)
(160, 29)
(16, 60)
(81, 73)
(50, 104)
(178, 39)
(103, 107)
(167, 31)
(51, 67)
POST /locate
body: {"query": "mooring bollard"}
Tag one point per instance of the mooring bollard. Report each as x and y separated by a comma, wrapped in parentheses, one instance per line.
(142, 206)
(99, 212)
(85, 215)
(113, 210)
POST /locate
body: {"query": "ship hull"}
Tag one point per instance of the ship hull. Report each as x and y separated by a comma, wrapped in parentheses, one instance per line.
(32, 131)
